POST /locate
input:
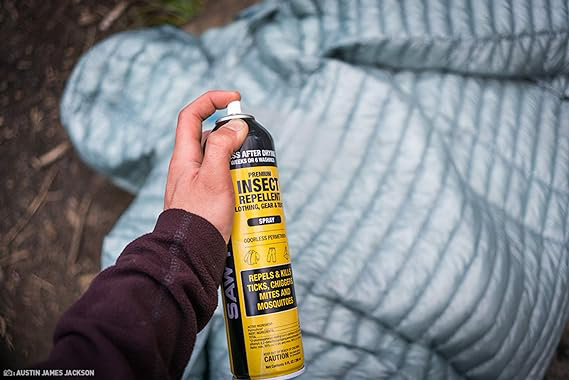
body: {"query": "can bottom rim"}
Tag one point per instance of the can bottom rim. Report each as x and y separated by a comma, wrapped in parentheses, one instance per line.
(282, 377)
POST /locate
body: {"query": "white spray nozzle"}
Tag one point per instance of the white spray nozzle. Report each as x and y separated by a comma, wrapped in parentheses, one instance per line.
(234, 107)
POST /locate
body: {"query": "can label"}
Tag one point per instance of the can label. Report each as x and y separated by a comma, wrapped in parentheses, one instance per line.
(258, 287)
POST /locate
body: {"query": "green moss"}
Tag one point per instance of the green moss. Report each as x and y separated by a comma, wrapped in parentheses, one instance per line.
(158, 12)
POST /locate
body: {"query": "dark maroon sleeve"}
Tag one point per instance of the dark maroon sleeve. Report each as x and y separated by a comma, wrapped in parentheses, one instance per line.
(139, 318)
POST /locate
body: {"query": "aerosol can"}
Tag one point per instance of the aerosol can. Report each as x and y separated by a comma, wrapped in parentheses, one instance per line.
(261, 316)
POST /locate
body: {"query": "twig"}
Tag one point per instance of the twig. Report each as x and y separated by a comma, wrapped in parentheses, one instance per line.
(43, 284)
(113, 15)
(32, 208)
(85, 280)
(2, 327)
(14, 258)
(90, 39)
(52, 156)
(78, 233)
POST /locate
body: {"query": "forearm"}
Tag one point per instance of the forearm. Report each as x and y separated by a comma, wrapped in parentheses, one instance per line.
(139, 318)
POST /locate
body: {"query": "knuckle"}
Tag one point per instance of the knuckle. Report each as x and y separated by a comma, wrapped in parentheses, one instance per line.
(184, 115)
(184, 112)
(187, 114)
(180, 117)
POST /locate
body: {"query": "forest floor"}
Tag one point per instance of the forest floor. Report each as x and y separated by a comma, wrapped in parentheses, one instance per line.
(55, 209)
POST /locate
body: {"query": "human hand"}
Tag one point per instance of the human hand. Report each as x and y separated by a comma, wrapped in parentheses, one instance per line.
(199, 182)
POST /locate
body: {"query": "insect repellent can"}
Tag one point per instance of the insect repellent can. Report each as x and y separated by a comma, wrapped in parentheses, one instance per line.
(261, 316)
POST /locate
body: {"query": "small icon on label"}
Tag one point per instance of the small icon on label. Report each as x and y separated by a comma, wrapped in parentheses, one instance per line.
(8, 372)
(286, 256)
(272, 255)
(252, 257)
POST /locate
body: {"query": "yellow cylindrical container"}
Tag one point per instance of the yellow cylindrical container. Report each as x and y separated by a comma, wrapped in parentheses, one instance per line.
(261, 316)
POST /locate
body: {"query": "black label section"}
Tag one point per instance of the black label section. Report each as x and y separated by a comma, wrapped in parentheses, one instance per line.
(273, 219)
(245, 158)
(268, 290)
(233, 317)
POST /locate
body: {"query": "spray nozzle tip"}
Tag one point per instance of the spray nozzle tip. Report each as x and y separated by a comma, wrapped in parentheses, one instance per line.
(234, 107)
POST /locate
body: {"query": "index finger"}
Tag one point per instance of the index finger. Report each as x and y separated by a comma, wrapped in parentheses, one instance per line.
(189, 130)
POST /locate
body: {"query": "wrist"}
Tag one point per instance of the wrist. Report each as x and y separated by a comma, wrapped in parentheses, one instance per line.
(193, 233)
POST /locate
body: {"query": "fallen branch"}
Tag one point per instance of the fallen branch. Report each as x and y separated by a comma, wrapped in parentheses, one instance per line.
(43, 284)
(32, 208)
(52, 156)
(14, 258)
(85, 280)
(78, 233)
(112, 16)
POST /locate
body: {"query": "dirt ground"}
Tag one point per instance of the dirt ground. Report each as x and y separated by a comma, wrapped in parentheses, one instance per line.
(55, 210)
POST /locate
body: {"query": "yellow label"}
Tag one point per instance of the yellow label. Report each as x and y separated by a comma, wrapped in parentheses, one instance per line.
(263, 275)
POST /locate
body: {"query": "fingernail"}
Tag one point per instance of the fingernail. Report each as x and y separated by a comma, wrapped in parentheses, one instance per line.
(236, 125)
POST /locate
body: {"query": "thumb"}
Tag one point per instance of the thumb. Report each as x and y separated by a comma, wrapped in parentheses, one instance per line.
(220, 146)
